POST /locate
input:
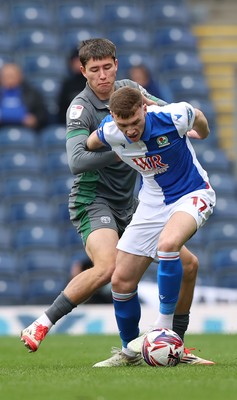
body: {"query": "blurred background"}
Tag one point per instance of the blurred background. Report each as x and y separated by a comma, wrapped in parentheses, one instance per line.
(180, 49)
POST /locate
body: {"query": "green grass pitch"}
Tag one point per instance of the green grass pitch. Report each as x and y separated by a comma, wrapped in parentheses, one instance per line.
(62, 370)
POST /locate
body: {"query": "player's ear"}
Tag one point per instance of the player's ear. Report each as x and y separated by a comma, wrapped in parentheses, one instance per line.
(145, 108)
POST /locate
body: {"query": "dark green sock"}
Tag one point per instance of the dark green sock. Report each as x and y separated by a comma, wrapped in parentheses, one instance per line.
(60, 307)
(180, 324)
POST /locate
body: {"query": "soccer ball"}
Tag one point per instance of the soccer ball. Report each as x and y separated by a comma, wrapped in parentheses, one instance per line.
(162, 348)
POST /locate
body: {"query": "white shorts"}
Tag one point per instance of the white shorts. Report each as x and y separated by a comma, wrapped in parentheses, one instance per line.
(142, 234)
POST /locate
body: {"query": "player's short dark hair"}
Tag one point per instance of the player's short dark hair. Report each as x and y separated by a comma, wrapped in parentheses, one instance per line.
(125, 101)
(97, 48)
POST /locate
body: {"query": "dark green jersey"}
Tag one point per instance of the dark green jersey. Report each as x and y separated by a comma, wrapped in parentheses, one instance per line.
(97, 174)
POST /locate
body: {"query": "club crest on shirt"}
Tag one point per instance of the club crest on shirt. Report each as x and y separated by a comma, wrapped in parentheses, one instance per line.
(75, 111)
(162, 141)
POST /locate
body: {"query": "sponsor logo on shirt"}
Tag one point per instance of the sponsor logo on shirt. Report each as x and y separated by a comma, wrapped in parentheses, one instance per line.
(75, 111)
(162, 141)
(151, 163)
(105, 219)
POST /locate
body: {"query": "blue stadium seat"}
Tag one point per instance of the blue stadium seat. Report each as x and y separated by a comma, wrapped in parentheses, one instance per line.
(11, 291)
(60, 186)
(174, 37)
(20, 162)
(60, 206)
(6, 235)
(215, 160)
(225, 209)
(25, 186)
(3, 212)
(31, 13)
(37, 40)
(224, 257)
(77, 14)
(129, 38)
(219, 233)
(5, 58)
(4, 18)
(122, 14)
(223, 183)
(72, 37)
(8, 264)
(44, 63)
(128, 59)
(56, 162)
(168, 13)
(71, 240)
(43, 290)
(17, 138)
(180, 62)
(187, 86)
(49, 86)
(44, 263)
(7, 42)
(36, 236)
(53, 137)
(34, 210)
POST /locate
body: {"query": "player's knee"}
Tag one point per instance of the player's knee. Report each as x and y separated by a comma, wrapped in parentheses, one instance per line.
(103, 274)
(119, 285)
(167, 245)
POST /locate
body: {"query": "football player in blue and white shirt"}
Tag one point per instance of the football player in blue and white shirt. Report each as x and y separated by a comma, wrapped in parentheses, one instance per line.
(175, 200)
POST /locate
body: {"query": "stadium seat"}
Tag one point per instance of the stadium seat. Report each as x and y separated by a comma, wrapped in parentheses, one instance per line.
(53, 137)
(25, 186)
(5, 58)
(60, 186)
(11, 291)
(56, 162)
(37, 40)
(128, 59)
(219, 233)
(37, 211)
(72, 37)
(223, 183)
(43, 290)
(77, 14)
(20, 162)
(31, 13)
(3, 212)
(44, 63)
(188, 86)
(180, 62)
(174, 37)
(6, 235)
(49, 86)
(168, 13)
(122, 14)
(7, 44)
(224, 257)
(215, 160)
(225, 209)
(44, 263)
(17, 138)
(36, 236)
(8, 264)
(60, 207)
(71, 240)
(129, 38)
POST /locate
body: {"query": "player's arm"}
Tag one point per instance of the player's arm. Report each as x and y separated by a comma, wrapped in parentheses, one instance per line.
(200, 129)
(81, 160)
(93, 142)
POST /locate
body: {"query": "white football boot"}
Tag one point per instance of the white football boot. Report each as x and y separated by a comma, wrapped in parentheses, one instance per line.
(119, 359)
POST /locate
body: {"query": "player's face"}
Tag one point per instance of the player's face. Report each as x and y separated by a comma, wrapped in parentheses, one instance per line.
(132, 127)
(101, 75)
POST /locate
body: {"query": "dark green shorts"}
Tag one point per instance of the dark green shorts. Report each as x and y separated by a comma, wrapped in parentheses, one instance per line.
(100, 214)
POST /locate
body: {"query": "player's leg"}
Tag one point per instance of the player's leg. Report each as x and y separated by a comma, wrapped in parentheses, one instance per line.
(101, 247)
(128, 272)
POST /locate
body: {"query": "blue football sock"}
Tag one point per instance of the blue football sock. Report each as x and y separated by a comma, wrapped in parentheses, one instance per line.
(169, 277)
(127, 312)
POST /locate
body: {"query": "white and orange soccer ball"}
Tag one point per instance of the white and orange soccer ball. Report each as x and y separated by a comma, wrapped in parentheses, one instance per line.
(162, 348)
